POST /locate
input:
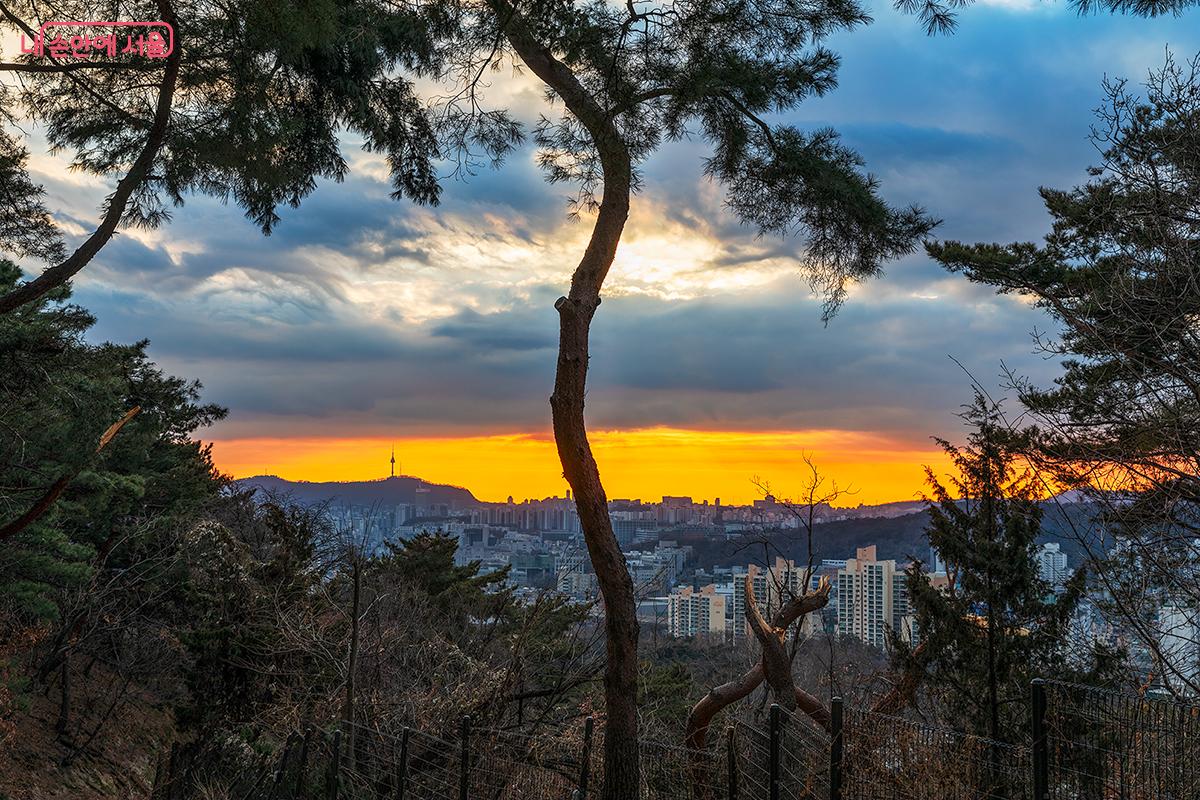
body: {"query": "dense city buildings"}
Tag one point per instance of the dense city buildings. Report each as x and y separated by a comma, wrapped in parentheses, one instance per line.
(669, 547)
(689, 560)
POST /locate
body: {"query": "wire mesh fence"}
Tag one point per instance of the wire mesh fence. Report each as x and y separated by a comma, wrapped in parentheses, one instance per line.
(365, 761)
(228, 767)
(507, 765)
(804, 758)
(891, 758)
(680, 773)
(752, 758)
(1108, 745)
(1086, 744)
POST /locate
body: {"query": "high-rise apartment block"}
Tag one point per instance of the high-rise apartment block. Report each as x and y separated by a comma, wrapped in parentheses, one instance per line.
(872, 598)
(692, 612)
(1052, 564)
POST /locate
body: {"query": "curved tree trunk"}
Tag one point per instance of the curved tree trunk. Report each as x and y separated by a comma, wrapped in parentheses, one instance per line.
(720, 697)
(622, 771)
(117, 202)
(773, 659)
(621, 767)
(776, 664)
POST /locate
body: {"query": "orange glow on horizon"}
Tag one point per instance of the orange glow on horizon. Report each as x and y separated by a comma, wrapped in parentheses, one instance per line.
(646, 463)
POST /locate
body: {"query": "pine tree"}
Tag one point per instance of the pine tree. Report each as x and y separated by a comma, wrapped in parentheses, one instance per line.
(1117, 273)
(995, 624)
(58, 393)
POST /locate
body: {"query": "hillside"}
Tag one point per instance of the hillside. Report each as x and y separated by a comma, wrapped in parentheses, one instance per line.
(899, 537)
(385, 492)
(103, 755)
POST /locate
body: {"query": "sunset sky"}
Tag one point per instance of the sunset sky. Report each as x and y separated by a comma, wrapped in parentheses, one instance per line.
(364, 322)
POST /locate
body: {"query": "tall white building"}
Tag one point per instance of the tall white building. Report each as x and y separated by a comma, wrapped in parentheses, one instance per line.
(872, 598)
(696, 613)
(1052, 564)
(574, 576)
(580, 586)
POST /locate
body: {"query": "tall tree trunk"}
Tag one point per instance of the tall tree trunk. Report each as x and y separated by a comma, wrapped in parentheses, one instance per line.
(992, 677)
(621, 766)
(988, 505)
(621, 752)
(622, 772)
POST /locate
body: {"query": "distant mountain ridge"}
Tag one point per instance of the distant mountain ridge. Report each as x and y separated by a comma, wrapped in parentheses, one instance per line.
(894, 508)
(398, 490)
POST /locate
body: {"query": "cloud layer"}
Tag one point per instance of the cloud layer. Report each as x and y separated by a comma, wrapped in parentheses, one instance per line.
(365, 317)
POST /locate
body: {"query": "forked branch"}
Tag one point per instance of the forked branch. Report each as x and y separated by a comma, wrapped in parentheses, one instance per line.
(901, 693)
(44, 503)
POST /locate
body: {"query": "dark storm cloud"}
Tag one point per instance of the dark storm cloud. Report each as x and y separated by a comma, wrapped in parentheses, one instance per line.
(762, 361)
(491, 332)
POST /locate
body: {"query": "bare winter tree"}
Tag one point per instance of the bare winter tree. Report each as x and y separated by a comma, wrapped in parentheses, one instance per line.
(818, 494)
(109, 621)
(346, 556)
(774, 666)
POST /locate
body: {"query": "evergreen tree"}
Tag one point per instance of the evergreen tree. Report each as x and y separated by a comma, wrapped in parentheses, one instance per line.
(1118, 274)
(101, 568)
(426, 563)
(58, 393)
(995, 624)
(468, 599)
(248, 106)
(253, 577)
(439, 614)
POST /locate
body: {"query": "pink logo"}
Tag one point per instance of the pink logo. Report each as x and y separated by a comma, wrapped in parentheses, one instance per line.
(157, 41)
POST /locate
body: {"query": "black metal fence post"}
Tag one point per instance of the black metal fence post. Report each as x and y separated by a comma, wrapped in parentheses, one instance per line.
(731, 762)
(284, 759)
(335, 766)
(835, 749)
(173, 763)
(773, 752)
(402, 767)
(1041, 754)
(585, 768)
(300, 787)
(464, 771)
(158, 768)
